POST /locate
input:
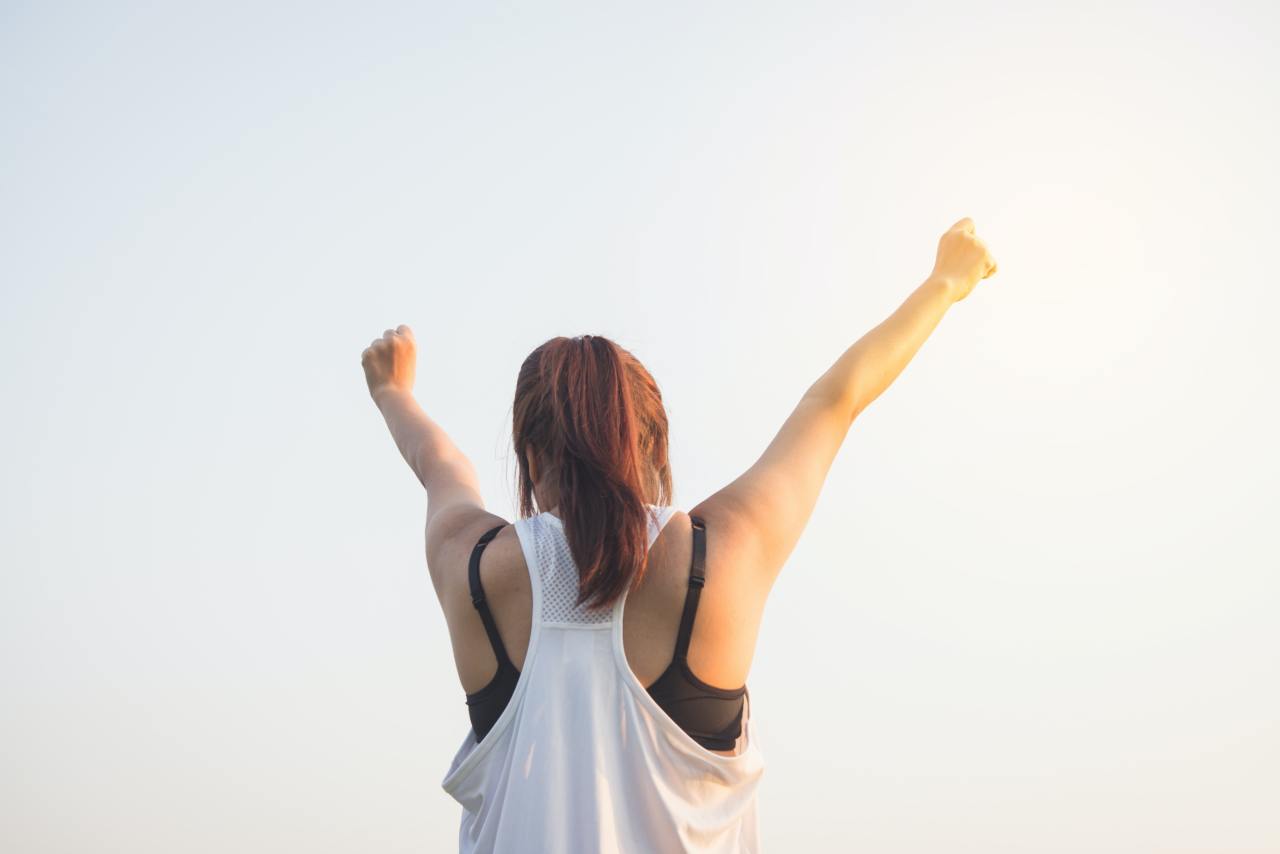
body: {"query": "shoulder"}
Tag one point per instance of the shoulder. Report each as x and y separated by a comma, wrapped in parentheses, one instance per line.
(734, 550)
(727, 522)
(451, 537)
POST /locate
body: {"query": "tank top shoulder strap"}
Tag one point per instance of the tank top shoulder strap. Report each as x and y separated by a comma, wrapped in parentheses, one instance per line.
(660, 516)
(697, 576)
(478, 600)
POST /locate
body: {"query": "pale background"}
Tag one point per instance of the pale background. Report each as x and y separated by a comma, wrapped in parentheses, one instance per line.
(1035, 609)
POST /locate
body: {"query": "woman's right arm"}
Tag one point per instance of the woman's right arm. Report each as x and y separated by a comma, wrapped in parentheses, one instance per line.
(871, 365)
(767, 507)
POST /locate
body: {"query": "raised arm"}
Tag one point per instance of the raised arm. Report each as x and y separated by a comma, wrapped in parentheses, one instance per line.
(390, 365)
(767, 507)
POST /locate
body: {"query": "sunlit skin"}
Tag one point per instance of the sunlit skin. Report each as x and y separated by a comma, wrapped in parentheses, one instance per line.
(753, 523)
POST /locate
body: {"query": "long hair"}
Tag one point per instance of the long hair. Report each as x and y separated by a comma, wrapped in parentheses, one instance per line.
(594, 415)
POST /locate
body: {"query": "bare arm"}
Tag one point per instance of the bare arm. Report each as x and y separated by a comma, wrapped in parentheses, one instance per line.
(390, 366)
(871, 365)
(767, 507)
(423, 443)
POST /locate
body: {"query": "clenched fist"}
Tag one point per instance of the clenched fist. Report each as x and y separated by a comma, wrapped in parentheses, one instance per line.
(963, 259)
(390, 361)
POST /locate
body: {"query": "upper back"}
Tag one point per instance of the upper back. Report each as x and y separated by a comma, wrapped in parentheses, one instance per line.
(724, 634)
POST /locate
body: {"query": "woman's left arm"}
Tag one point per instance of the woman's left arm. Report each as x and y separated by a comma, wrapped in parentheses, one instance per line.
(390, 364)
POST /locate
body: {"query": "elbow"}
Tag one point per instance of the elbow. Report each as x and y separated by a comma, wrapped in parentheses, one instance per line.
(843, 404)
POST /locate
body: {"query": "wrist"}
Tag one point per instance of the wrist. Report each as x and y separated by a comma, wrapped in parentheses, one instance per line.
(388, 392)
(944, 286)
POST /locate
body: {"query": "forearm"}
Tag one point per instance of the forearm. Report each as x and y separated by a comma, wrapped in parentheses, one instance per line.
(871, 365)
(422, 442)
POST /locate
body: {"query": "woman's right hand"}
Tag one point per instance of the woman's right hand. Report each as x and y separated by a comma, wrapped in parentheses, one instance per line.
(963, 259)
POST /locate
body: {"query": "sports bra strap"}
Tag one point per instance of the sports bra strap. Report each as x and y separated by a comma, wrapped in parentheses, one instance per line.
(697, 576)
(477, 598)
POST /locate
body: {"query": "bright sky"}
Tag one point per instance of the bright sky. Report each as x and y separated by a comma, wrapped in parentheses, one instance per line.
(1035, 609)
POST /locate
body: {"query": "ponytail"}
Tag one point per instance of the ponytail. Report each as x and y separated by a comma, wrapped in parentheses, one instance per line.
(594, 413)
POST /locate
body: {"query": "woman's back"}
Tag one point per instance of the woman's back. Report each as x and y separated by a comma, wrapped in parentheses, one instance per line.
(723, 637)
(582, 757)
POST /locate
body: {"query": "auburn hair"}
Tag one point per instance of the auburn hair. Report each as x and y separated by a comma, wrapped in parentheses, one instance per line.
(593, 415)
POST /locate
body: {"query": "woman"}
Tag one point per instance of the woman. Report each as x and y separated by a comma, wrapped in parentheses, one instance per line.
(591, 732)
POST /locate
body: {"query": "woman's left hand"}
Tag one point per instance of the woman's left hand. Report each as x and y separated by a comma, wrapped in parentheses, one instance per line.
(390, 362)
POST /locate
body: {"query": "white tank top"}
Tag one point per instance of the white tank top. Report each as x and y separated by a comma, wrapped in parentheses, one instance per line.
(583, 759)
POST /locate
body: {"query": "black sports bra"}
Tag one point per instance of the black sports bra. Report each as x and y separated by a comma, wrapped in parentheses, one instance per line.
(711, 716)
